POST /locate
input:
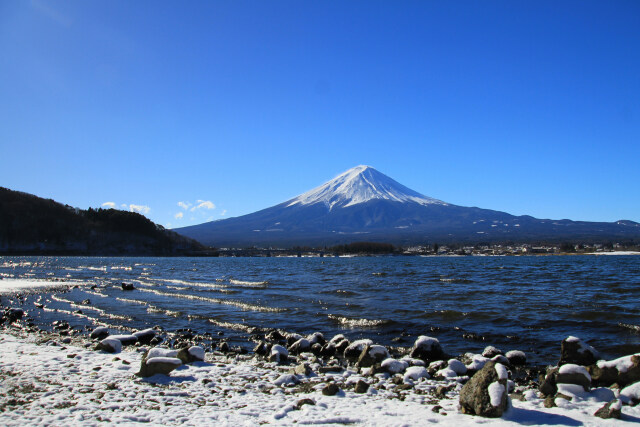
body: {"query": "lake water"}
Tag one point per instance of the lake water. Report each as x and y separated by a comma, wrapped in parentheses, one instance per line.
(525, 303)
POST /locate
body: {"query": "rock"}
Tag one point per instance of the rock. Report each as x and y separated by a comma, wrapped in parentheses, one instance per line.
(491, 351)
(302, 345)
(316, 338)
(279, 354)
(224, 347)
(394, 366)
(302, 369)
(286, 379)
(623, 371)
(145, 336)
(574, 374)
(353, 350)
(125, 339)
(361, 386)
(457, 366)
(328, 350)
(427, 349)
(576, 352)
(127, 286)
(192, 354)
(99, 332)
(612, 409)
(158, 365)
(110, 345)
(371, 355)
(516, 357)
(550, 402)
(275, 336)
(293, 337)
(13, 314)
(303, 402)
(414, 373)
(261, 348)
(485, 394)
(316, 349)
(630, 395)
(330, 390)
(86, 301)
(342, 346)
(548, 384)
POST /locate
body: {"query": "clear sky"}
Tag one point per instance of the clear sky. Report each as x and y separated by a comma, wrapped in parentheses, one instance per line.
(529, 107)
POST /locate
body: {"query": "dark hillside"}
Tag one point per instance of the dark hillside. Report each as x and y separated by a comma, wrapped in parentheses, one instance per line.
(33, 225)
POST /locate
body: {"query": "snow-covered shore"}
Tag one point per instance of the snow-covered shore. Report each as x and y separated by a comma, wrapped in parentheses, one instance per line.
(49, 383)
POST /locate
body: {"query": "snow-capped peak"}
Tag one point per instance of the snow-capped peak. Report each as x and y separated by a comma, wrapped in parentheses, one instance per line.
(359, 185)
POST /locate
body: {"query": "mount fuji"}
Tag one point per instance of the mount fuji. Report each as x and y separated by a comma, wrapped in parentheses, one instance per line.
(364, 204)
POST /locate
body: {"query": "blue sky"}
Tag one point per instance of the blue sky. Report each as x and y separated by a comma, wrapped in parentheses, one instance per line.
(528, 107)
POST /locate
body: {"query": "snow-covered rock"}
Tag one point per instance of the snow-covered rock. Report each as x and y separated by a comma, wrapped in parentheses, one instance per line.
(630, 395)
(574, 374)
(371, 355)
(427, 349)
(158, 365)
(192, 354)
(516, 357)
(110, 345)
(278, 354)
(286, 379)
(491, 351)
(393, 366)
(145, 336)
(302, 345)
(125, 339)
(485, 394)
(624, 370)
(414, 373)
(353, 351)
(575, 351)
(613, 409)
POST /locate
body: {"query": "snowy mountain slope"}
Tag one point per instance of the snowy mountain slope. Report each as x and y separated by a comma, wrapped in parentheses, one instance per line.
(364, 204)
(360, 185)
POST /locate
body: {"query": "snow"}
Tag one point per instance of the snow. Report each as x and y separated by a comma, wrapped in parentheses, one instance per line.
(171, 360)
(570, 368)
(144, 332)
(358, 345)
(515, 353)
(457, 366)
(630, 393)
(477, 362)
(501, 370)
(378, 350)
(622, 364)
(496, 391)
(58, 385)
(359, 185)
(583, 347)
(161, 352)
(280, 350)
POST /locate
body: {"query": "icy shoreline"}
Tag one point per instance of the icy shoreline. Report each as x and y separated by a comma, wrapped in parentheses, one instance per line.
(47, 382)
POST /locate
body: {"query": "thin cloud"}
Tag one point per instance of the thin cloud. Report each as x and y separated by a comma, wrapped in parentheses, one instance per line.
(141, 209)
(184, 205)
(203, 204)
(179, 215)
(223, 213)
(109, 205)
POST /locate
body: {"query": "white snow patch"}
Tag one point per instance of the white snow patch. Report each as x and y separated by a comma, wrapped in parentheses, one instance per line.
(570, 368)
(394, 366)
(501, 370)
(630, 394)
(171, 360)
(197, 352)
(496, 391)
(161, 352)
(414, 373)
(457, 366)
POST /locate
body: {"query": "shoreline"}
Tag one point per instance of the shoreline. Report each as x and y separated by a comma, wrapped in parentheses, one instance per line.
(90, 386)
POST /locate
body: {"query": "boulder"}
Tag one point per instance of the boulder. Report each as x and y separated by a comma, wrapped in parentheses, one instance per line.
(328, 350)
(158, 365)
(516, 357)
(414, 373)
(278, 354)
(316, 338)
(145, 336)
(622, 371)
(125, 339)
(548, 384)
(485, 394)
(371, 355)
(612, 409)
(353, 351)
(127, 286)
(99, 332)
(394, 366)
(110, 345)
(330, 389)
(275, 336)
(576, 352)
(361, 386)
(302, 345)
(427, 349)
(574, 374)
(192, 354)
(491, 352)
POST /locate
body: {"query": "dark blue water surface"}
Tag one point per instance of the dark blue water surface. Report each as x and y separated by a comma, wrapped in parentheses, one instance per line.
(526, 303)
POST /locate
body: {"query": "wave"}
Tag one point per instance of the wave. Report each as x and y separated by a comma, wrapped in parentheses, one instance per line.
(239, 304)
(249, 284)
(454, 280)
(358, 323)
(635, 328)
(340, 292)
